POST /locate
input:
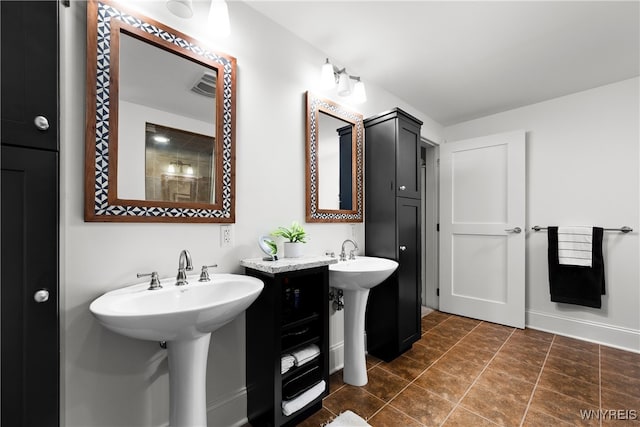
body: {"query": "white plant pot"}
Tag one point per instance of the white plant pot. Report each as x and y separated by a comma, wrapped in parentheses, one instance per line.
(293, 249)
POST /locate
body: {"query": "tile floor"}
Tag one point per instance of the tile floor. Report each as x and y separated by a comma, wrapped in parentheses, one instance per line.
(464, 372)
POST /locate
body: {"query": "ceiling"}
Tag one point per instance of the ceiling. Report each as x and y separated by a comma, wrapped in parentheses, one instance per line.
(456, 61)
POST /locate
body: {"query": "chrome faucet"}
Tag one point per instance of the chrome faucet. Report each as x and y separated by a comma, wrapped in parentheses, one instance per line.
(352, 255)
(185, 257)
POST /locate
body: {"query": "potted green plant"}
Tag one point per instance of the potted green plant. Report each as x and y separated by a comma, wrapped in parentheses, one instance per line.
(295, 236)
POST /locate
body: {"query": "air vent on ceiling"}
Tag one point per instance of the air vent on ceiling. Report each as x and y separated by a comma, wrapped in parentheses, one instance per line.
(206, 85)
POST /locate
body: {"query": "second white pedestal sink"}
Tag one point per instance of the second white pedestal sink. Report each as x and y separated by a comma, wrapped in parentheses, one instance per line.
(355, 278)
(184, 317)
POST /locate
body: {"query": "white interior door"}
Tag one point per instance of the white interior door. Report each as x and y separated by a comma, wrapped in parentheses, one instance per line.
(482, 236)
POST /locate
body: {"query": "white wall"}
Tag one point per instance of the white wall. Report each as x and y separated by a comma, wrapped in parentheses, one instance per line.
(110, 380)
(582, 169)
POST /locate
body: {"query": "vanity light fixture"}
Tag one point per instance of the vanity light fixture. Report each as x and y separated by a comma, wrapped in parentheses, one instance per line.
(181, 8)
(332, 76)
(218, 21)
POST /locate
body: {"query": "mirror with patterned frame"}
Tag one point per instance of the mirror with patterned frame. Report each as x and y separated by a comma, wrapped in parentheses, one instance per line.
(334, 162)
(160, 129)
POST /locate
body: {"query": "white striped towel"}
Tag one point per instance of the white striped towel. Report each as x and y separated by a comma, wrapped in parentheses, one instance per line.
(575, 246)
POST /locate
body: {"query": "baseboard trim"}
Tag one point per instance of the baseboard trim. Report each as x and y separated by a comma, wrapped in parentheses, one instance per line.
(600, 333)
(336, 357)
(227, 409)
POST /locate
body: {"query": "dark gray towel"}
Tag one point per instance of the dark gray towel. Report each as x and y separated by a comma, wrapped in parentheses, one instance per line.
(574, 284)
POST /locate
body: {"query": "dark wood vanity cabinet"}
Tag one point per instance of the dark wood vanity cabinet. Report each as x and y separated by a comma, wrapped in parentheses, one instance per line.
(291, 313)
(392, 230)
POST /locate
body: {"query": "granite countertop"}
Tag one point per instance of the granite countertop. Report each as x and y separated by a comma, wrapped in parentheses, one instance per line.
(287, 264)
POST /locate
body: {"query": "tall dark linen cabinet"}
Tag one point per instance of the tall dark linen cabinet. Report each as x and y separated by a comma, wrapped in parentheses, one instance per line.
(30, 189)
(392, 230)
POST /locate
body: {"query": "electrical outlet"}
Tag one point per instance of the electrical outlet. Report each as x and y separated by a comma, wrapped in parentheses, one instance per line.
(353, 231)
(226, 238)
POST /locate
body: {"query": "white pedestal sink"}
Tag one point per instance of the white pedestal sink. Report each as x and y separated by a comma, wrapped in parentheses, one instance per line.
(184, 317)
(355, 278)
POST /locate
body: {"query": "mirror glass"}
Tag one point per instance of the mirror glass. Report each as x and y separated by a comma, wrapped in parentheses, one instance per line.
(160, 122)
(334, 162)
(168, 128)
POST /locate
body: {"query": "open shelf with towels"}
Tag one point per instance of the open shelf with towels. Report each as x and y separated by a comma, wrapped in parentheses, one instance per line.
(290, 319)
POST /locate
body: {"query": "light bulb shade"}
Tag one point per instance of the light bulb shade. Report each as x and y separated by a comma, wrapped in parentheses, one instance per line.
(344, 87)
(327, 78)
(219, 18)
(359, 93)
(181, 8)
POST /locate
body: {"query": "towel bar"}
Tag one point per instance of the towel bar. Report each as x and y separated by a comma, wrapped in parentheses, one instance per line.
(623, 229)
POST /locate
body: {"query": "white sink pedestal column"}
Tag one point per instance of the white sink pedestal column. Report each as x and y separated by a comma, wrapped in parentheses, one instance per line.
(187, 381)
(355, 364)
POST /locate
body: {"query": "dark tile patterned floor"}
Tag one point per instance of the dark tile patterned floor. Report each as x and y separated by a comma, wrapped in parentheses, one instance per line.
(465, 372)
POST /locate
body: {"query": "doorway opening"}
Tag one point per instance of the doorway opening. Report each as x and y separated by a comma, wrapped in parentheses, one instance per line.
(430, 219)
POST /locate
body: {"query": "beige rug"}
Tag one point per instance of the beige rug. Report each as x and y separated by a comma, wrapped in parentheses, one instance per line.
(348, 419)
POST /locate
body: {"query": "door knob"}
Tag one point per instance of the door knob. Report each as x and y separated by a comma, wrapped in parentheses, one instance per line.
(403, 187)
(513, 230)
(41, 122)
(403, 248)
(41, 295)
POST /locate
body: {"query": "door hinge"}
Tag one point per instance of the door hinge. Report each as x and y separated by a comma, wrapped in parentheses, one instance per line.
(438, 227)
(438, 292)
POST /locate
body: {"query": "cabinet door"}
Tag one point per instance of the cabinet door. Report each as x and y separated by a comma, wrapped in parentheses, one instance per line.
(380, 190)
(409, 277)
(29, 34)
(29, 263)
(408, 155)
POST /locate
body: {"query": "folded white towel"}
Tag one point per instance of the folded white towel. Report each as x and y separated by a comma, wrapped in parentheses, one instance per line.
(575, 246)
(348, 419)
(293, 405)
(306, 354)
(287, 362)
